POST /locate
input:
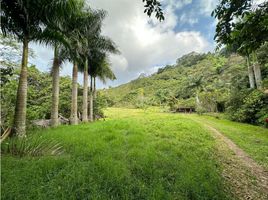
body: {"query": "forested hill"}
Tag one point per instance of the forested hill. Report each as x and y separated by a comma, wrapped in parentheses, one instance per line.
(208, 82)
(193, 73)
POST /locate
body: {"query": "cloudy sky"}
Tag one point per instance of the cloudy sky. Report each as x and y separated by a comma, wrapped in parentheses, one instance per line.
(145, 43)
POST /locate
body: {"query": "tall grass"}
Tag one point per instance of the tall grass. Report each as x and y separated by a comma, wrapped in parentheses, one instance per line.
(134, 154)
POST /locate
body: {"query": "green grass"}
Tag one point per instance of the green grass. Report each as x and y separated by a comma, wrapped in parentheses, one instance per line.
(134, 154)
(252, 139)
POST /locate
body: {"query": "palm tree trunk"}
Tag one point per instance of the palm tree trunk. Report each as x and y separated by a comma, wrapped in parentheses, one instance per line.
(55, 89)
(74, 118)
(250, 74)
(95, 91)
(257, 72)
(20, 109)
(85, 93)
(197, 100)
(91, 101)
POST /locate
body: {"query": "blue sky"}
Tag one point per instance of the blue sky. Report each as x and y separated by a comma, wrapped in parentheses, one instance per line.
(145, 43)
(200, 13)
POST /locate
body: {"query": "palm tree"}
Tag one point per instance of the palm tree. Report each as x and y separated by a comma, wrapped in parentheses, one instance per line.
(61, 28)
(77, 30)
(99, 68)
(104, 73)
(87, 28)
(89, 42)
(93, 42)
(25, 20)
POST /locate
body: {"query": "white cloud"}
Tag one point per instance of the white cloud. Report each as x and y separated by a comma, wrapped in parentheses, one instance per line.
(207, 6)
(175, 3)
(144, 42)
(188, 18)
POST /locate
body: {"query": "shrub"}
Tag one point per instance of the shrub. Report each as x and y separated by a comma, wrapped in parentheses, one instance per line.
(249, 106)
(31, 146)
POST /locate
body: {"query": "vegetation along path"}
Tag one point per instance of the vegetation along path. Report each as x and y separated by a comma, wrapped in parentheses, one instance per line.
(241, 160)
(139, 154)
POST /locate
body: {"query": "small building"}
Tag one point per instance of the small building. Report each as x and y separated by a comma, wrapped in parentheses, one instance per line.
(185, 109)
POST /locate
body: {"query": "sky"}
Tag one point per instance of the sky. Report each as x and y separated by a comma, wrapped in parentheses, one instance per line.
(145, 43)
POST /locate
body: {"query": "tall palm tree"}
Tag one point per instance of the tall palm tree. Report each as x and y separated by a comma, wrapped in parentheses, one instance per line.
(99, 68)
(60, 27)
(86, 37)
(82, 25)
(26, 20)
(104, 73)
(89, 42)
(94, 42)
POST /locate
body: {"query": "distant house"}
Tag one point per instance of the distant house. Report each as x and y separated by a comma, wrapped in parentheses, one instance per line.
(185, 109)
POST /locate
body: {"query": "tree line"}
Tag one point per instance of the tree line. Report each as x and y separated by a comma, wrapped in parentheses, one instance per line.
(73, 29)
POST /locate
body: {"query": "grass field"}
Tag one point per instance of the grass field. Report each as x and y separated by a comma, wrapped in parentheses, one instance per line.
(133, 154)
(252, 139)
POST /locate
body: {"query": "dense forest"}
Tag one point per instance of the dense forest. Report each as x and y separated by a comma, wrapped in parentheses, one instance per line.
(212, 82)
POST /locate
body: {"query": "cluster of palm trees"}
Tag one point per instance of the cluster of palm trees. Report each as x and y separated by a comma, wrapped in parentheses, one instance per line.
(73, 29)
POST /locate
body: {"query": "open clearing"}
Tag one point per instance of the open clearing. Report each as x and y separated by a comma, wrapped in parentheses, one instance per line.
(137, 154)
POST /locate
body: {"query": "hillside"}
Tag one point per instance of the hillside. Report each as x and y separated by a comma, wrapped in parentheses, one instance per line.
(194, 75)
(203, 82)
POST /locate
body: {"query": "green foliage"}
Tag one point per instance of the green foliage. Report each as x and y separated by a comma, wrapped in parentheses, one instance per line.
(206, 82)
(263, 60)
(153, 6)
(162, 96)
(100, 103)
(31, 146)
(248, 106)
(39, 96)
(10, 54)
(211, 75)
(190, 59)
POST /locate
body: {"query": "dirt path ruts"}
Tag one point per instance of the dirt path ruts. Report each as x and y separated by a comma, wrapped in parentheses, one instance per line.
(248, 178)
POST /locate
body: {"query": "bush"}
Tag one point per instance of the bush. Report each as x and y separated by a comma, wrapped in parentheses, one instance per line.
(249, 106)
(200, 110)
(99, 104)
(31, 146)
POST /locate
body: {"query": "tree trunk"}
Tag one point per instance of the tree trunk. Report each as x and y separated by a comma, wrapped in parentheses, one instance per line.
(197, 100)
(55, 89)
(74, 118)
(95, 91)
(85, 93)
(250, 74)
(257, 72)
(91, 100)
(20, 109)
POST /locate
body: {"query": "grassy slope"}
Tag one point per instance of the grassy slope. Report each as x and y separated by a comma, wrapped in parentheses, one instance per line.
(132, 155)
(252, 139)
